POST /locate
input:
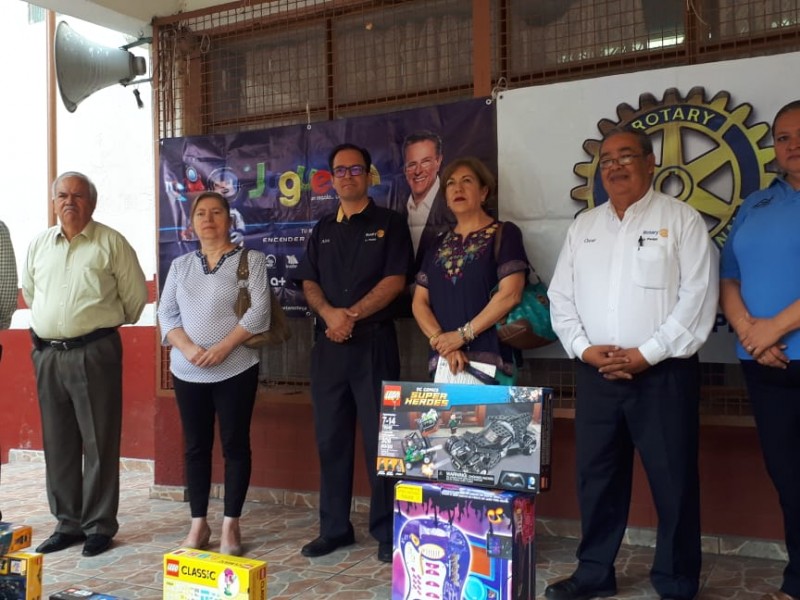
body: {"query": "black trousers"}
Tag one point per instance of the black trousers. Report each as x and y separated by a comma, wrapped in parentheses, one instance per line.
(345, 389)
(80, 398)
(775, 397)
(656, 413)
(232, 401)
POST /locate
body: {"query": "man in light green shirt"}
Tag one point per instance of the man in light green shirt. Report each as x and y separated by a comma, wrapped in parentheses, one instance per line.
(81, 280)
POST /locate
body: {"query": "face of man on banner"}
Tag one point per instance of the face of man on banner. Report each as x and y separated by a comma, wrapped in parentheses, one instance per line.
(422, 163)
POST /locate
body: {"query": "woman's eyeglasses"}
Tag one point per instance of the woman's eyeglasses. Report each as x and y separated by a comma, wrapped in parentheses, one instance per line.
(354, 170)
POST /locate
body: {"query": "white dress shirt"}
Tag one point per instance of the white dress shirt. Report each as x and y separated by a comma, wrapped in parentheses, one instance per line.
(647, 281)
(418, 213)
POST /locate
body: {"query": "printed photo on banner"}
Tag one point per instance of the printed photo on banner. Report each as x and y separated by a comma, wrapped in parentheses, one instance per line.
(278, 182)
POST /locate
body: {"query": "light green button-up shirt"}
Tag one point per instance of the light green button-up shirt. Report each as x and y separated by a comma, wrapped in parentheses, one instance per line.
(74, 287)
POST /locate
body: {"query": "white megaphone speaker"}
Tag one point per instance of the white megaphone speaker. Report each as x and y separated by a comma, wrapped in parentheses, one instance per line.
(83, 67)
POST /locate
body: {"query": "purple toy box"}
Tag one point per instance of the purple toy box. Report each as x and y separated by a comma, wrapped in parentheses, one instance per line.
(462, 543)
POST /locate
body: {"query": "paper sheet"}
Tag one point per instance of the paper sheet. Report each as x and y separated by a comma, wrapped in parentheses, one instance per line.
(443, 374)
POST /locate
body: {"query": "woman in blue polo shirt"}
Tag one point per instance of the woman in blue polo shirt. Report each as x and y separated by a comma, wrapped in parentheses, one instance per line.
(760, 295)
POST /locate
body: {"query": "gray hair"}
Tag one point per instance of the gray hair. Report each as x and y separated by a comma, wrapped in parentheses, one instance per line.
(76, 175)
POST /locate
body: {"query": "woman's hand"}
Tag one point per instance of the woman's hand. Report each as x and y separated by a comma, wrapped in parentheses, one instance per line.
(192, 352)
(457, 361)
(774, 357)
(758, 335)
(212, 356)
(447, 342)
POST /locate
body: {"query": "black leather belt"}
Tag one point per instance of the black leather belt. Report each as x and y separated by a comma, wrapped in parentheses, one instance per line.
(71, 343)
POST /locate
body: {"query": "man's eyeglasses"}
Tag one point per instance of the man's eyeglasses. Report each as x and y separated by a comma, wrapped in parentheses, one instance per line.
(623, 160)
(354, 170)
(425, 163)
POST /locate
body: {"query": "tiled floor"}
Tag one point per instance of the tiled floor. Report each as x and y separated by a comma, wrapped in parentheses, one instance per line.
(149, 528)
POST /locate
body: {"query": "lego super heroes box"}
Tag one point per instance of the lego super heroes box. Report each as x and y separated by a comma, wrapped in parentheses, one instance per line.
(462, 542)
(484, 435)
(201, 575)
(21, 576)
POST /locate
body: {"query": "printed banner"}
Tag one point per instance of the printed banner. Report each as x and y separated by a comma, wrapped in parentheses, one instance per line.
(278, 182)
(710, 130)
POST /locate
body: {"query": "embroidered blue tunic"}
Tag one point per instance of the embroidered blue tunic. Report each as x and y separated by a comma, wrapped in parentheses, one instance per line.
(460, 275)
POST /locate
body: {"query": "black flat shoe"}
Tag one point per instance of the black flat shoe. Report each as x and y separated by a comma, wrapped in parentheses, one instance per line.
(59, 541)
(96, 543)
(325, 545)
(571, 589)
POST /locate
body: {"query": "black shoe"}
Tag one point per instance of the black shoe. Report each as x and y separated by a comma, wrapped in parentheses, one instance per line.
(385, 552)
(96, 543)
(572, 589)
(59, 541)
(325, 545)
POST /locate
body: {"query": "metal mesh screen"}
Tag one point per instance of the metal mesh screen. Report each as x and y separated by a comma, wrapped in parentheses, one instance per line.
(273, 63)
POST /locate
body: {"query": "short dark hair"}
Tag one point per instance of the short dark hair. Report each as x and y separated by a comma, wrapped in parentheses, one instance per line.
(645, 143)
(424, 135)
(476, 165)
(346, 146)
(76, 175)
(793, 105)
(216, 195)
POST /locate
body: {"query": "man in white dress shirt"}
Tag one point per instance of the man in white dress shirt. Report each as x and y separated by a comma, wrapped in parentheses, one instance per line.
(428, 215)
(633, 298)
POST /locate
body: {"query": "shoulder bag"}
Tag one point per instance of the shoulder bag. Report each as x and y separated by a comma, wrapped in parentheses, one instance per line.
(279, 330)
(527, 325)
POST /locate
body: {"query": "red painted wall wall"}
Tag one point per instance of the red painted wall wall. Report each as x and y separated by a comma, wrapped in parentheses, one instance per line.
(20, 424)
(736, 494)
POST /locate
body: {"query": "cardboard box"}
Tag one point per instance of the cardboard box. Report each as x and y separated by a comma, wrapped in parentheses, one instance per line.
(462, 542)
(14, 538)
(485, 435)
(21, 576)
(82, 594)
(197, 574)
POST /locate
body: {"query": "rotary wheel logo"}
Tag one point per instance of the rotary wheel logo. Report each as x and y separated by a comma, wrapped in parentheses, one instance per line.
(709, 156)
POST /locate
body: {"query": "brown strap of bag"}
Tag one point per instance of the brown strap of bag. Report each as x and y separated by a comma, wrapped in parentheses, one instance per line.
(243, 275)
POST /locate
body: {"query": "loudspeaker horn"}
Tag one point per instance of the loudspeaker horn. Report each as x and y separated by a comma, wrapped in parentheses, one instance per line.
(83, 67)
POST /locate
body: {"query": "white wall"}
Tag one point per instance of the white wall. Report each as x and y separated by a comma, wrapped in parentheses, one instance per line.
(108, 138)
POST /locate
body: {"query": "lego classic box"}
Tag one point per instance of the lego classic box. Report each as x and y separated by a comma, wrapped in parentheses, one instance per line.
(198, 574)
(462, 542)
(21, 576)
(485, 435)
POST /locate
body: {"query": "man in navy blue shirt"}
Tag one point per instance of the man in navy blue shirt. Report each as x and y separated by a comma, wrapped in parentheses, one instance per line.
(357, 263)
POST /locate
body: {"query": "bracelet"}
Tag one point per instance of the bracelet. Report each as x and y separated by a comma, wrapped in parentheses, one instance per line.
(469, 331)
(434, 336)
(466, 332)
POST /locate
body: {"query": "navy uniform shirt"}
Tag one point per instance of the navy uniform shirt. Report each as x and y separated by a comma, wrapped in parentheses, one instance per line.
(348, 257)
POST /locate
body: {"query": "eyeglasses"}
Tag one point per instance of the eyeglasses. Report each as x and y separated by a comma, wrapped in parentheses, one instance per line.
(623, 160)
(354, 170)
(425, 163)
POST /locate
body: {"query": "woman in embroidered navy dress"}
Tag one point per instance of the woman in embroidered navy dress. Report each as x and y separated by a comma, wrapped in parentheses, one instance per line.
(213, 373)
(453, 301)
